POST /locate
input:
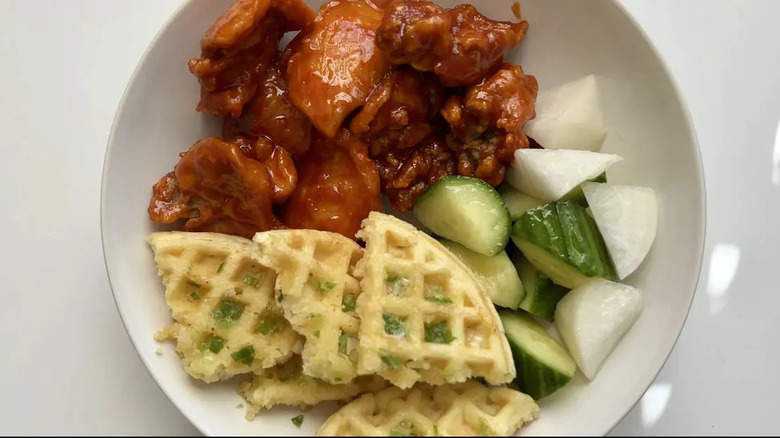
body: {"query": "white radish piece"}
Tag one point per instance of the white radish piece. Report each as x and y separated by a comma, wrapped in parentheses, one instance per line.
(569, 116)
(593, 318)
(548, 174)
(627, 217)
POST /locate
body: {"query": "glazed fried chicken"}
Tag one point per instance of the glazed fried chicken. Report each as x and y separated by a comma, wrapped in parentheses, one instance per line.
(225, 186)
(460, 45)
(399, 111)
(272, 115)
(487, 122)
(237, 48)
(371, 96)
(335, 63)
(338, 186)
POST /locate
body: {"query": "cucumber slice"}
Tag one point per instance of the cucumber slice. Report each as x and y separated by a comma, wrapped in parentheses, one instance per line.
(467, 211)
(556, 269)
(541, 294)
(517, 202)
(562, 240)
(496, 274)
(543, 365)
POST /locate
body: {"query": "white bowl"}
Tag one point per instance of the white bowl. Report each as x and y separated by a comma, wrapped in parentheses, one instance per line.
(649, 127)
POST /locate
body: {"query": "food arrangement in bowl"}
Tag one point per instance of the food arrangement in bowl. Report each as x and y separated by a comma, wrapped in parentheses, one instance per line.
(393, 218)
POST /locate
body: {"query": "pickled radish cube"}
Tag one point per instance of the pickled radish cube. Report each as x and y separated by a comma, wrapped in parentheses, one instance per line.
(569, 116)
(593, 318)
(627, 217)
(549, 174)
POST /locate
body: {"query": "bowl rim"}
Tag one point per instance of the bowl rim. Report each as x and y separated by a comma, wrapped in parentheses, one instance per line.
(681, 101)
(702, 236)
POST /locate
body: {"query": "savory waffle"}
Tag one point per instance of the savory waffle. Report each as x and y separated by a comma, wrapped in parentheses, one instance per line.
(316, 289)
(221, 299)
(286, 384)
(424, 316)
(463, 409)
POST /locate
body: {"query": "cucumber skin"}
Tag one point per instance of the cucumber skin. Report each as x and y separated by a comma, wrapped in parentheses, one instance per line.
(542, 295)
(510, 299)
(568, 233)
(502, 225)
(533, 377)
(578, 196)
(556, 269)
(546, 301)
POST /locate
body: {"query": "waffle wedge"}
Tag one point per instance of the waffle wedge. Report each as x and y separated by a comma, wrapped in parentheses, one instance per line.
(286, 384)
(424, 316)
(462, 409)
(316, 289)
(222, 302)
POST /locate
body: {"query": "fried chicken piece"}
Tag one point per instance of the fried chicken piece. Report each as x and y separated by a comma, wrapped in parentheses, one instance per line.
(235, 30)
(338, 187)
(402, 124)
(334, 64)
(237, 47)
(487, 122)
(225, 186)
(399, 111)
(271, 114)
(168, 204)
(406, 174)
(415, 32)
(460, 45)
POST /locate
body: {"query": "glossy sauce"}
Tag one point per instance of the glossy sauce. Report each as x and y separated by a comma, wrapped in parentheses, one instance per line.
(459, 45)
(226, 187)
(339, 186)
(272, 115)
(334, 64)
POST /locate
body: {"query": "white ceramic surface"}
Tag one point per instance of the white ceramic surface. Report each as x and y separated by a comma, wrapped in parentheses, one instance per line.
(156, 120)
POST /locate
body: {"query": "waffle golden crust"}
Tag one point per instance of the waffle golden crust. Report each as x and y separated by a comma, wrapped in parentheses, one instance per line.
(424, 316)
(317, 290)
(286, 384)
(463, 409)
(221, 299)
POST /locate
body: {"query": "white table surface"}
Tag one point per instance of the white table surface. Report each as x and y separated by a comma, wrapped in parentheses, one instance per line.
(67, 366)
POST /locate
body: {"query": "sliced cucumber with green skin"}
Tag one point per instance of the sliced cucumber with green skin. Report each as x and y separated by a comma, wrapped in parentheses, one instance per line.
(556, 269)
(543, 365)
(465, 210)
(541, 294)
(578, 196)
(517, 202)
(562, 240)
(496, 273)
